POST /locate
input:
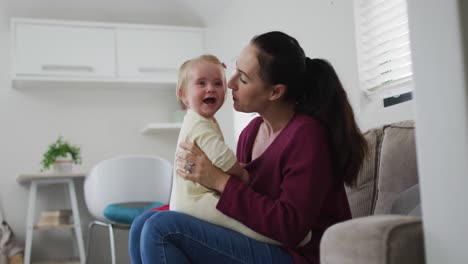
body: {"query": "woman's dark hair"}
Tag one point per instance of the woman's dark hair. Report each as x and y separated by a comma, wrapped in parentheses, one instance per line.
(314, 87)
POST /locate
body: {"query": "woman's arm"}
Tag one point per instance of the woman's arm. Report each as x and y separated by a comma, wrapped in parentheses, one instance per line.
(238, 171)
(203, 171)
(210, 141)
(303, 176)
(290, 216)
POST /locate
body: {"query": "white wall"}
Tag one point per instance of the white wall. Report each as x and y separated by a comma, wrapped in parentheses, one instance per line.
(104, 121)
(440, 68)
(372, 113)
(174, 12)
(325, 29)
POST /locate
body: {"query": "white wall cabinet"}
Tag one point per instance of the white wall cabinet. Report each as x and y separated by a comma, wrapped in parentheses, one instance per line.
(50, 50)
(155, 53)
(85, 51)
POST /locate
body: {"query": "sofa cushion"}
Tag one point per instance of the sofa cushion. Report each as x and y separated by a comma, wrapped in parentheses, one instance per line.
(389, 239)
(397, 169)
(362, 198)
(416, 211)
(407, 201)
(125, 213)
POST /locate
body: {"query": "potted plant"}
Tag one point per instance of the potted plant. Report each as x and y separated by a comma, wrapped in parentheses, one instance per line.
(61, 155)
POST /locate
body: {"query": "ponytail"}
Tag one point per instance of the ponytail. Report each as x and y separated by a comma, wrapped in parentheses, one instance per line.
(315, 89)
(325, 99)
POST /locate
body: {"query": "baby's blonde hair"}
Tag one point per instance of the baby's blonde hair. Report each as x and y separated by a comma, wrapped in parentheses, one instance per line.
(185, 67)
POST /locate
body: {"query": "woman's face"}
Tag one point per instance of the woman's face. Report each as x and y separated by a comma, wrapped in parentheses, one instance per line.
(249, 92)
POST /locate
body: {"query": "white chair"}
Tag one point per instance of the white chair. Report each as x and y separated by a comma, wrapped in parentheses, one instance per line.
(124, 180)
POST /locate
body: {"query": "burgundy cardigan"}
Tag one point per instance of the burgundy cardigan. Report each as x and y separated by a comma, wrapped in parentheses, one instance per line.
(292, 188)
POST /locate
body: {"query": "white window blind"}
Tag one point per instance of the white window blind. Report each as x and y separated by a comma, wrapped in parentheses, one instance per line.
(383, 45)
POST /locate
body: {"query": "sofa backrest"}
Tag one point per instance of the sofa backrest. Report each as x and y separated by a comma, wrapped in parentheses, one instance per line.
(362, 198)
(389, 169)
(397, 165)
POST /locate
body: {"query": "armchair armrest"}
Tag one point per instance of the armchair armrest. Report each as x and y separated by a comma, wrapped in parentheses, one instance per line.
(378, 239)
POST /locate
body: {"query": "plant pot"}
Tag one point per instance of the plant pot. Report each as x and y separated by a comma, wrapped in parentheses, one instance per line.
(63, 165)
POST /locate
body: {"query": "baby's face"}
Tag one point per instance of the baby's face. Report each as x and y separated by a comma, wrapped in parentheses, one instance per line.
(205, 89)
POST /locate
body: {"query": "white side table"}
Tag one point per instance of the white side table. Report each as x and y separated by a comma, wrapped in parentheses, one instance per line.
(46, 179)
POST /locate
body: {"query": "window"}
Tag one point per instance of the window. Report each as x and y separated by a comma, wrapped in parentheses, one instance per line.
(383, 47)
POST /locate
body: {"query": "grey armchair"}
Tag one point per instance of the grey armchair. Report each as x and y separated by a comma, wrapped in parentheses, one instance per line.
(386, 227)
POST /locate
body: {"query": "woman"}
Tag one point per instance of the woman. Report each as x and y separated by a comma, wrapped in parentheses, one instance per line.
(299, 152)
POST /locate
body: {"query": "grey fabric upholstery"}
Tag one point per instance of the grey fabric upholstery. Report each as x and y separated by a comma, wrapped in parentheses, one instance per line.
(387, 184)
(407, 201)
(397, 166)
(362, 198)
(381, 239)
(416, 211)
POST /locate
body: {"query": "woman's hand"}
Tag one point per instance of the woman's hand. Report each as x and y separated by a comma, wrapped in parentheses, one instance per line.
(193, 164)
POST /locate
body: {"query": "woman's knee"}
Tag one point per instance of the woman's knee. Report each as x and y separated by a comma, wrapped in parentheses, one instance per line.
(139, 222)
(163, 223)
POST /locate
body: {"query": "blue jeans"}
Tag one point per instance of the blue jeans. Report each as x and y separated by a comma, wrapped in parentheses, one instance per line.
(172, 237)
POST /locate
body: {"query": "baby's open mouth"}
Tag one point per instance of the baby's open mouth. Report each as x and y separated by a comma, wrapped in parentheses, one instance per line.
(209, 100)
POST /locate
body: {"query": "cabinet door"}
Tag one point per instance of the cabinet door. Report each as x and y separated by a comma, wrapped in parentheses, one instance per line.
(155, 54)
(49, 50)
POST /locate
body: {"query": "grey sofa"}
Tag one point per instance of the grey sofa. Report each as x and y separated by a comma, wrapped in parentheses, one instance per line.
(386, 227)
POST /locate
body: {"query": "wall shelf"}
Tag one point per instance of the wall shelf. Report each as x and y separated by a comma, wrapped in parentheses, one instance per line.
(53, 226)
(156, 127)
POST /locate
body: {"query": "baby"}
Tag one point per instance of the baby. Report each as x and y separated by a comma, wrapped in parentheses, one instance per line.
(201, 88)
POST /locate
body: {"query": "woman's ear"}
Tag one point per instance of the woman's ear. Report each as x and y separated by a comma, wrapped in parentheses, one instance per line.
(277, 91)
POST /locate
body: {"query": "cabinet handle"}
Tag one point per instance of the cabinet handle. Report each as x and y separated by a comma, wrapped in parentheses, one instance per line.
(154, 69)
(68, 68)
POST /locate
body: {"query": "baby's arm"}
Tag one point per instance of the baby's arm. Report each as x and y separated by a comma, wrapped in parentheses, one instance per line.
(212, 143)
(238, 171)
